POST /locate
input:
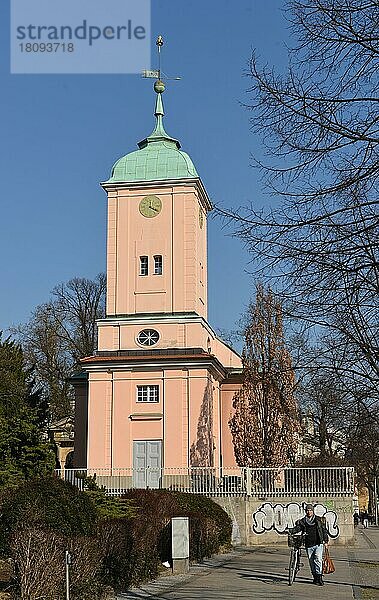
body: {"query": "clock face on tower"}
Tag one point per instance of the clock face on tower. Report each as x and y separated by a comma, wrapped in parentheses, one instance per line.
(150, 206)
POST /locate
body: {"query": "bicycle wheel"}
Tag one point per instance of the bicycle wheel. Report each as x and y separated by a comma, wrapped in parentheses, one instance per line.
(293, 566)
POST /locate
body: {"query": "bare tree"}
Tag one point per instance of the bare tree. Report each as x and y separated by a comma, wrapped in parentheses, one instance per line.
(362, 451)
(340, 424)
(319, 120)
(61, 332)
(265, 424)
(325, 410)
(319, 126)
(76, 306)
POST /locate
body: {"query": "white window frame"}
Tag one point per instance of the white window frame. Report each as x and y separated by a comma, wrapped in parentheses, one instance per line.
(143, 266)
(158, 264)
(151, 336)
(147, 394)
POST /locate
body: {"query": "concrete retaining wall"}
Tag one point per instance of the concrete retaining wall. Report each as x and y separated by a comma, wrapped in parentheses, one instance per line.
(266, 521)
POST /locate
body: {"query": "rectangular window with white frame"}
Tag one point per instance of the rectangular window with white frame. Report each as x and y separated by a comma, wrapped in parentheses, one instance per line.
(143, 265)
(147, 393)
(158, 264)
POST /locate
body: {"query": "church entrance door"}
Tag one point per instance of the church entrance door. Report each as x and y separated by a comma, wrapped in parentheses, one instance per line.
(147, 463)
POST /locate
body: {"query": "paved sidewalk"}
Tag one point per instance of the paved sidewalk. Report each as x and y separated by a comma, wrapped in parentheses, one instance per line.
(364, 562)
(261, 574)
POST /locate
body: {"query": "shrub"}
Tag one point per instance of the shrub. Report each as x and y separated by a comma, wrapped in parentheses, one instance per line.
(119, 543)
(218, 529)
(130, 548)
(39, 559)
(39, 562)
(40, 520)
(47, 503)
(136, 547)
(108, 507)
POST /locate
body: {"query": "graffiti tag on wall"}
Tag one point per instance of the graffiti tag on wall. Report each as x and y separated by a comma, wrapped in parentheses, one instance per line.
(281, 517)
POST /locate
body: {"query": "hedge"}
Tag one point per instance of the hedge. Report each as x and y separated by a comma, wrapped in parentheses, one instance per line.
(135, 548)
(47, 503)
(113, 544)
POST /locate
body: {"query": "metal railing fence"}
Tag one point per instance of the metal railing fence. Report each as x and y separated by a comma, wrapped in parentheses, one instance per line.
(212, 481)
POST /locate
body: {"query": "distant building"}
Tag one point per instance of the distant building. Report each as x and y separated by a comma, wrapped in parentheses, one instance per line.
(61, 433)
(158, 391)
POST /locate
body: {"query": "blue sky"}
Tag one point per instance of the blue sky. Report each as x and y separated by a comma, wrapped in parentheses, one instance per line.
(60, 135)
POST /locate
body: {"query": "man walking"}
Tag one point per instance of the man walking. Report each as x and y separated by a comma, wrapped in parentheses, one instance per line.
(364, 517)
(315, 538)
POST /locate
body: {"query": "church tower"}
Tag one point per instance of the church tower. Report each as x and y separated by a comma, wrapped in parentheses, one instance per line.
(156, 202)
(159, 388)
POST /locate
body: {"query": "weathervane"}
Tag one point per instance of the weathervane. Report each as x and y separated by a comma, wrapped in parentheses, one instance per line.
(156, 73)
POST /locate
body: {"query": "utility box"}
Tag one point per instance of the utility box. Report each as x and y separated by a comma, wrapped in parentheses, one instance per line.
(180, 544)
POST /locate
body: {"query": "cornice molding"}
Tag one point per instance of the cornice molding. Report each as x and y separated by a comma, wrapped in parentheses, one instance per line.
(140, 319)
(145, 185)
(110, 364)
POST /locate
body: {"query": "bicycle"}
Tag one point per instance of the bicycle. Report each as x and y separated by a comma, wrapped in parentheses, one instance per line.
(295, 542)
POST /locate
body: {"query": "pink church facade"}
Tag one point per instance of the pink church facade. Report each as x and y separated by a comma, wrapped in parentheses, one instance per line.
(158, 392)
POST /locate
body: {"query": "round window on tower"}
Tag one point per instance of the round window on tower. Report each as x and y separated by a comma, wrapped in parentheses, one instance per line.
(148, 337)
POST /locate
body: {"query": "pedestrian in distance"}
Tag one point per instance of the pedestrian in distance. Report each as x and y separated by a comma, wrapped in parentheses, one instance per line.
(364, 517)
(315, 538)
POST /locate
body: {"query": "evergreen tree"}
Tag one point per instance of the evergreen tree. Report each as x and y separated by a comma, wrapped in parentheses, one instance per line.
(24, 450)
(265, 423)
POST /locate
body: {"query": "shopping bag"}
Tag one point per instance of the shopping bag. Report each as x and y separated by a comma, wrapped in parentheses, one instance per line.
(327, 563)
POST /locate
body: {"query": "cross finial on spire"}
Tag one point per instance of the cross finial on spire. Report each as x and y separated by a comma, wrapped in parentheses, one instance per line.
(159, 134)
(159, 85)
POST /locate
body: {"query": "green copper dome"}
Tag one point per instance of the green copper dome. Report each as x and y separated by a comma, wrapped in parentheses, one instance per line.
(159, 155)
